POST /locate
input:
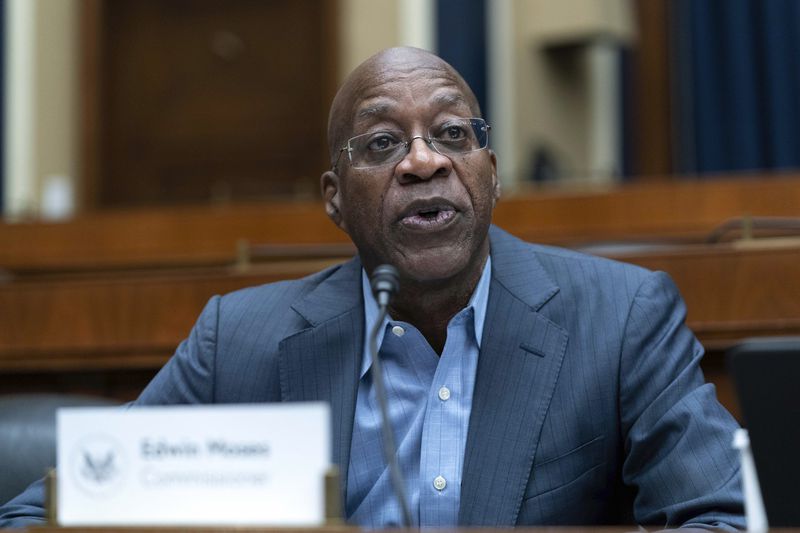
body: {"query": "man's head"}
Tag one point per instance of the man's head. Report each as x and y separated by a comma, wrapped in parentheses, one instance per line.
(422, 211)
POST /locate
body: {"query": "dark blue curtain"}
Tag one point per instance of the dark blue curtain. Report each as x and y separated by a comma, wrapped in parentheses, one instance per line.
(461, 41)
(2, 101)
(737, 84)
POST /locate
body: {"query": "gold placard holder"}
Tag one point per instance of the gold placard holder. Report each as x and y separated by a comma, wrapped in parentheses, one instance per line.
(50, 499)
(333, 497)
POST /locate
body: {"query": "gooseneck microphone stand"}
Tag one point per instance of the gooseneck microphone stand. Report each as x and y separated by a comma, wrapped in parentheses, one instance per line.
(385, 283)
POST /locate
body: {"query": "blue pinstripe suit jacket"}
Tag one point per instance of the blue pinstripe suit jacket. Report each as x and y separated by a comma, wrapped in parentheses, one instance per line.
(589, 404)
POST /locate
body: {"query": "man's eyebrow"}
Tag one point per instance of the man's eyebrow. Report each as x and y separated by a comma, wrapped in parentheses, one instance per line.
(449, 99)
(374, 110)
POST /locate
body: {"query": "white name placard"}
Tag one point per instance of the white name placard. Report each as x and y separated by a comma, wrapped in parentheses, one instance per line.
(193, 465)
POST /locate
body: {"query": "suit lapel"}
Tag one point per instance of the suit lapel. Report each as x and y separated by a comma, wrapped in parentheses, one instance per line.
(519, 363)
(321, 362)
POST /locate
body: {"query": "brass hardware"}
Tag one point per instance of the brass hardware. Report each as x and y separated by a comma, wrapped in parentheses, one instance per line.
(242, 255)
(747, 227)
(50, 499)
(333, 497)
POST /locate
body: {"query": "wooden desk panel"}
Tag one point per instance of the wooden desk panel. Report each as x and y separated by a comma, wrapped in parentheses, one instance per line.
(680, 210)
(132, 320)
(162, 237)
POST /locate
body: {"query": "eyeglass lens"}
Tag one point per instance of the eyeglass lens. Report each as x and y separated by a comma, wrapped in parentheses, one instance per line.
(449, 138)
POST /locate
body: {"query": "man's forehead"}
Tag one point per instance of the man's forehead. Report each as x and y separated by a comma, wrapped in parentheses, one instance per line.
(386, 84)
(430, 80)
(383, 105)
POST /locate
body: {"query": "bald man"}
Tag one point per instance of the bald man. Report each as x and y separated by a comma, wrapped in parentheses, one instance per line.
(527, 385)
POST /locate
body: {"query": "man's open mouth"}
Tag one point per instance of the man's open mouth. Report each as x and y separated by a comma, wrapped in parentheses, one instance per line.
(429, 217)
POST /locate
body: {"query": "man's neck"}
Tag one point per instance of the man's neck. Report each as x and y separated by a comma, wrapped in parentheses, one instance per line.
(429, 307)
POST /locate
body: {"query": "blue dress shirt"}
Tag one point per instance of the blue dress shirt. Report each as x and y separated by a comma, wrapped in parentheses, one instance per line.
(430, 400)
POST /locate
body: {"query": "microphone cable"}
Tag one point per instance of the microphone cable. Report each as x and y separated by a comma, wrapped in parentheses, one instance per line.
(385, 283)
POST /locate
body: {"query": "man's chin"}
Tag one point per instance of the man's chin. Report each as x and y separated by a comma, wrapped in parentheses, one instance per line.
(433, 266)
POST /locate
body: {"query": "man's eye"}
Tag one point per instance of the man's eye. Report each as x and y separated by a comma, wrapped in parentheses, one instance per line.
(455, 132)
(381, 142)
(452, 133)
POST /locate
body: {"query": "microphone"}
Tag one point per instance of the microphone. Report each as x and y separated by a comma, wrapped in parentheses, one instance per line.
(385, 283)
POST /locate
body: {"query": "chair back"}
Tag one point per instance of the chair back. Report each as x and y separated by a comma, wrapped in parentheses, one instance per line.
(28, 436)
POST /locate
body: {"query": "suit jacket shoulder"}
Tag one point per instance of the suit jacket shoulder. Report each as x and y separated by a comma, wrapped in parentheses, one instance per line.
(607, 387)
(231, 354)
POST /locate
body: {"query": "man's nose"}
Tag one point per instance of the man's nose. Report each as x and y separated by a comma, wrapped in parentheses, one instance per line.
(422, 162)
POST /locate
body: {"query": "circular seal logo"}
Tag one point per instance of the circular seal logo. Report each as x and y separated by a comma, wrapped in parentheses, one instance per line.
(98, 464)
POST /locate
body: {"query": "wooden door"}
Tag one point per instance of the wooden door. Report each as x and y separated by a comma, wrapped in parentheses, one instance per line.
(197, 101)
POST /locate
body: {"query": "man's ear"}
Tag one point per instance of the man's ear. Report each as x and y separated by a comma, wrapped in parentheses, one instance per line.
(331, 195)
(496, 186)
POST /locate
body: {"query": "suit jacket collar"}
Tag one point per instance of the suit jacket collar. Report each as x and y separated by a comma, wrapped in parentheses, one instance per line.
(339, 293)
(516, 267)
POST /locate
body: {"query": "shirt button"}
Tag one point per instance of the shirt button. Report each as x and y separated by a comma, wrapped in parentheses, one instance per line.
(444, 394)
(399, 331)
(439, 483)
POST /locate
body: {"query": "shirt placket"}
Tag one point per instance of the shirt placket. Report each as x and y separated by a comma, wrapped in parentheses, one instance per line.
(444, 431)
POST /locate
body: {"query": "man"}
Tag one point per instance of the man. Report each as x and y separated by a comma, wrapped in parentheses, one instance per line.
(527, 384)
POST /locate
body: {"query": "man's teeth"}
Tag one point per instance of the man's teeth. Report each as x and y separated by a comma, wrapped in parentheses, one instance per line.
(432, 210)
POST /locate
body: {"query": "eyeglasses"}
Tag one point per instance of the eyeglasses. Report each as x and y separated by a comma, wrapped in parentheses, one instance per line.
(452, 137)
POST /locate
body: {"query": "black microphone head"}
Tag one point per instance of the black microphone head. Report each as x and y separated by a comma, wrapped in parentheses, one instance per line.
(385, 282)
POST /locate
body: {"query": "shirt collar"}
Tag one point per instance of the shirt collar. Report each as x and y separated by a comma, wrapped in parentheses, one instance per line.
(478, 302)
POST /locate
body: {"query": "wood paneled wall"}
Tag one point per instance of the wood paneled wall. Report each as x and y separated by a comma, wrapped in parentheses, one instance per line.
(201, 101)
